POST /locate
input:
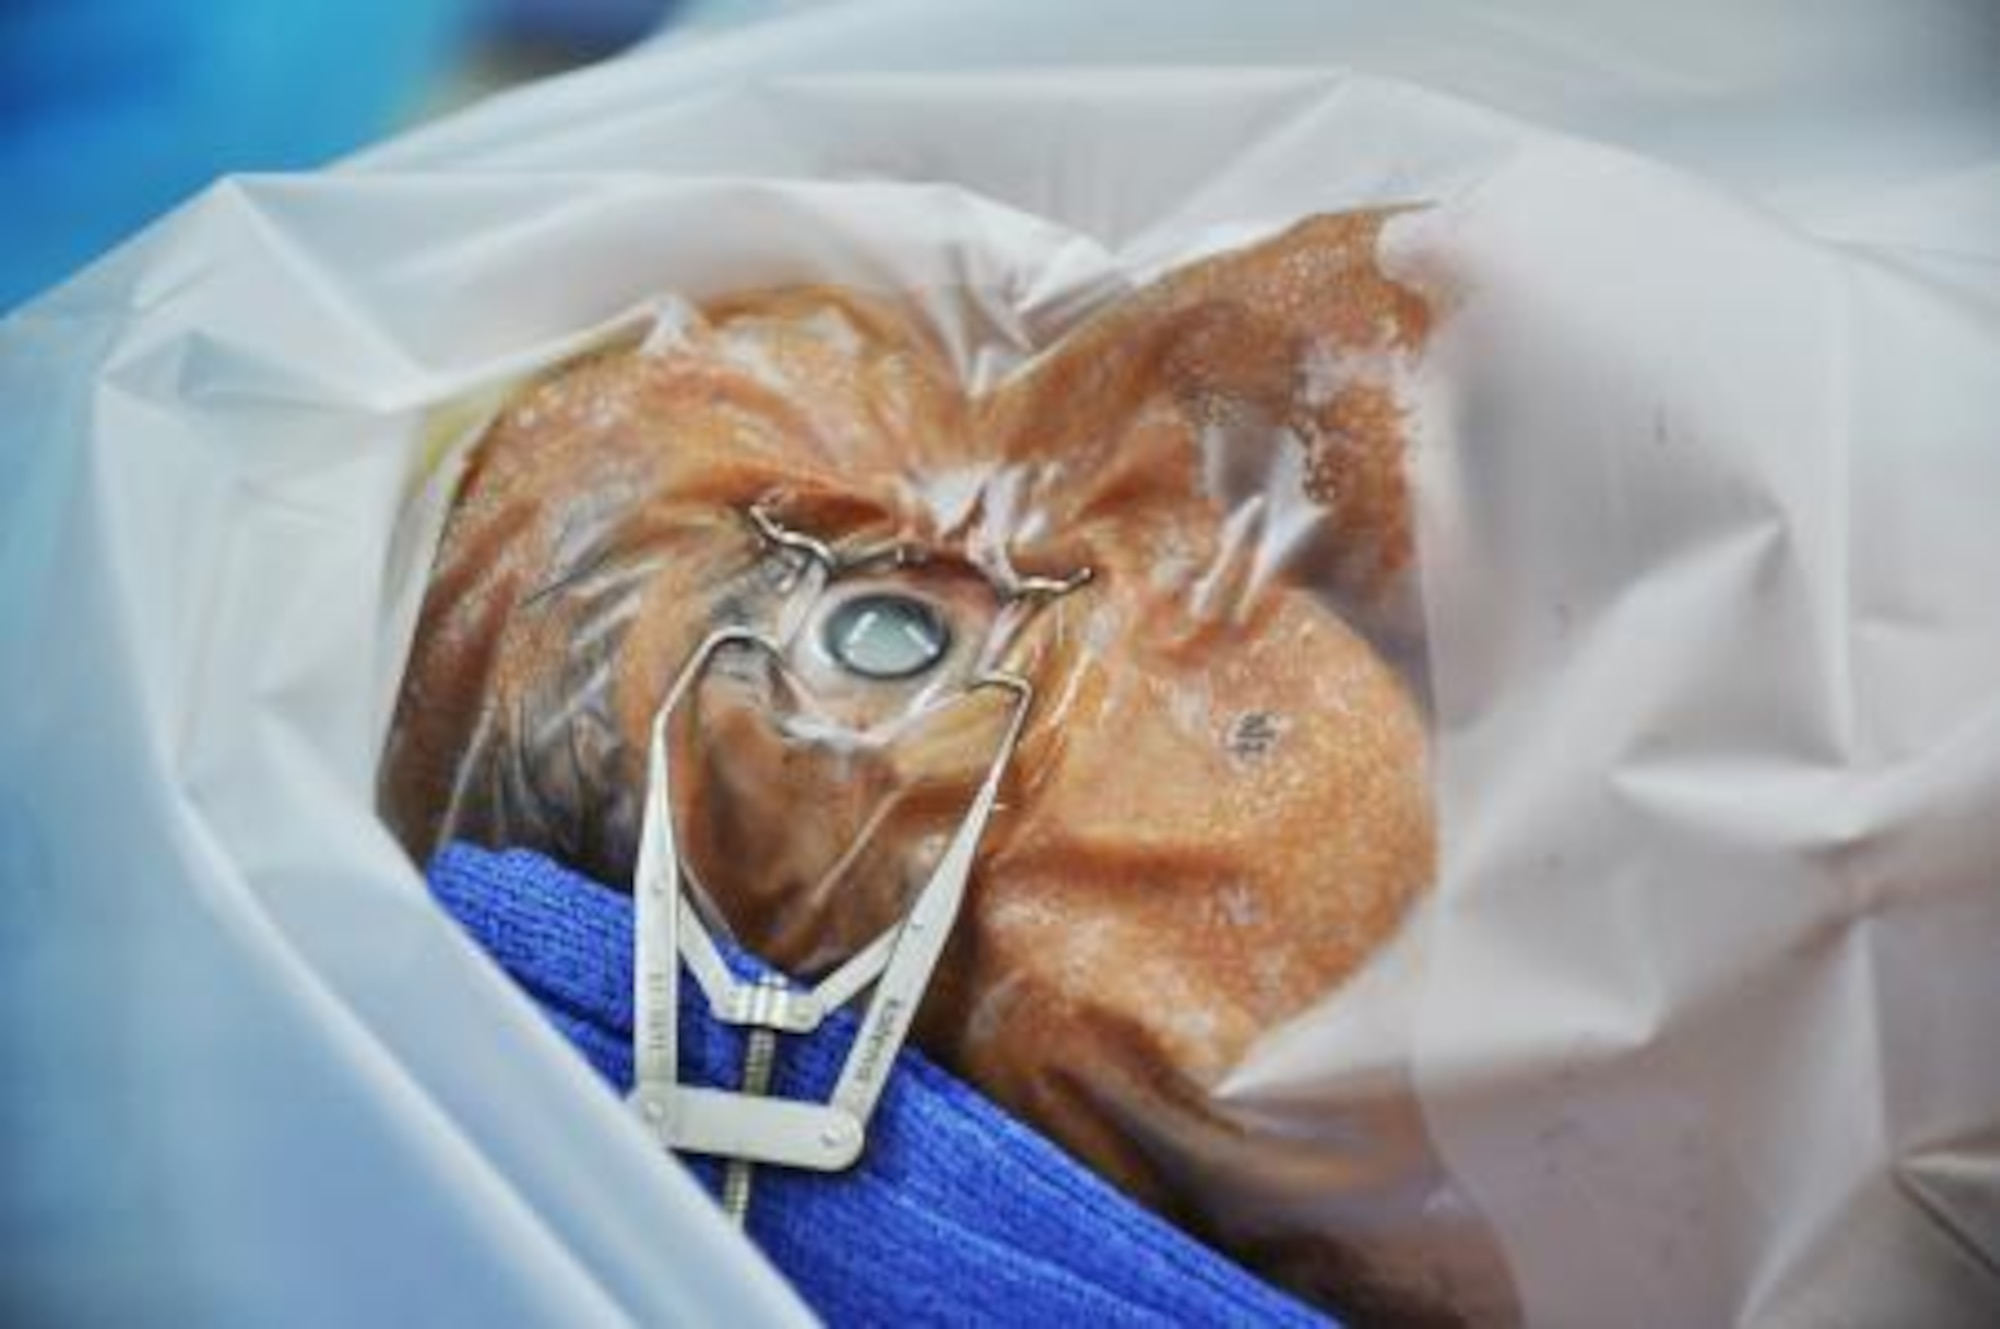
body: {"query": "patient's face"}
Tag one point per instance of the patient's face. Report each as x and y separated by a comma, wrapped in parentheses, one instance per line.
(1218, 809)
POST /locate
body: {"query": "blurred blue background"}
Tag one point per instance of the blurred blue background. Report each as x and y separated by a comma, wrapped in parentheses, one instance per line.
(113, 111)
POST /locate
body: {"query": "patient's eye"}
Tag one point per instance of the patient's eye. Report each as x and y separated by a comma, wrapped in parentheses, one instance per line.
(886, 636)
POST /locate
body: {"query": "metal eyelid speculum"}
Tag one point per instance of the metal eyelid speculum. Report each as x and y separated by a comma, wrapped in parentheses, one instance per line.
(746, 1127)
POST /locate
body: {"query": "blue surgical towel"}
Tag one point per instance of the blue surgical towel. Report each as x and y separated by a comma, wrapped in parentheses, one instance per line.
(957, 1214)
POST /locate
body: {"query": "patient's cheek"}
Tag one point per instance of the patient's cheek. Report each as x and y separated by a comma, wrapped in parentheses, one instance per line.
(1109, 971)
(1209, 841)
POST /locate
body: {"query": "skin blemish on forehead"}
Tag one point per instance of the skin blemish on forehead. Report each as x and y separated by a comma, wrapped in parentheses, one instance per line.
(1253, 735)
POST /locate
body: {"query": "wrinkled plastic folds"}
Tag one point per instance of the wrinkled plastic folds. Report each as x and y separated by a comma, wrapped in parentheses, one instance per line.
(1706, 470)
(1175, 468)
(1161, 538)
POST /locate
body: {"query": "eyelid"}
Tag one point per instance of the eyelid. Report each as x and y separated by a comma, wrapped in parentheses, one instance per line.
(1009, 588)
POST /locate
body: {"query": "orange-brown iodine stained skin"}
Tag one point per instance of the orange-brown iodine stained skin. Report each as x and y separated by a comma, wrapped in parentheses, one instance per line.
(1220, 807)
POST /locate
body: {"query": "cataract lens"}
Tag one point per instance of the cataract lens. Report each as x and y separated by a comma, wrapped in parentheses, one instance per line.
(886, 636)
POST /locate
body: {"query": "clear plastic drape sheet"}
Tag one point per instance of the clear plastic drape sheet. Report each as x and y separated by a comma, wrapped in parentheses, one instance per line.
(1707, 451)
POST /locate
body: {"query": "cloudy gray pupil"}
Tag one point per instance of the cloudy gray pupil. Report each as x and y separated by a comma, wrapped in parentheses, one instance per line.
(886, 636)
